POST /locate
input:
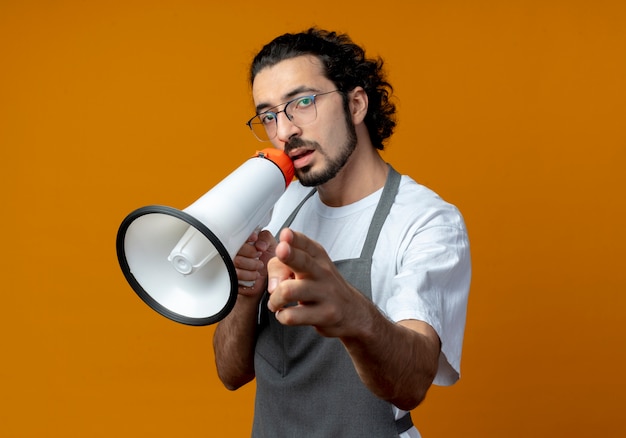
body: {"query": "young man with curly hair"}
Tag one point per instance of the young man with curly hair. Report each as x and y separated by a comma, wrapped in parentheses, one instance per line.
(361, 279)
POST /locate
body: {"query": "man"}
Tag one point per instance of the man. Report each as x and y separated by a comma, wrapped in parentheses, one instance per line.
(361, 306)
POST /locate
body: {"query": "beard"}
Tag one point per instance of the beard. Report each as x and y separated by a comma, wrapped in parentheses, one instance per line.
(306, 176)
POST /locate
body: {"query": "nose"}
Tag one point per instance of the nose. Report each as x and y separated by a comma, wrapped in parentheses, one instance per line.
(285, 128)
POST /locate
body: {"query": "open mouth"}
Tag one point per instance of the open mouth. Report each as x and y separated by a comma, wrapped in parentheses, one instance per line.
(300, 157)
(296, 155)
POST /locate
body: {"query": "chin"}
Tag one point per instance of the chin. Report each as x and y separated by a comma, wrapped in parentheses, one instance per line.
(308, 178)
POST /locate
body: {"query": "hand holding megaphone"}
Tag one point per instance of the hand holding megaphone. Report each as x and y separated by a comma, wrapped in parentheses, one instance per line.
(180, 262)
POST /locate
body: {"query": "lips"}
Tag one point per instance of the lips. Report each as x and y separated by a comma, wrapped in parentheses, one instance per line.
(300, 157)
(298, 153)
(301, 151)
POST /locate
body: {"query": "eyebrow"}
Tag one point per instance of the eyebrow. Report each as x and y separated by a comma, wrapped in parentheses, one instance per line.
(264, 107)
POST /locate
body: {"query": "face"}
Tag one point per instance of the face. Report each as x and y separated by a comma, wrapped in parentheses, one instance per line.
(321, 148)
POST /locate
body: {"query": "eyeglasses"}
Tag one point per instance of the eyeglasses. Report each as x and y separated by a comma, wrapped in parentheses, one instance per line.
(300, 111)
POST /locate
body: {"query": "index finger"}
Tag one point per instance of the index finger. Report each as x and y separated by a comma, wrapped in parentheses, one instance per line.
(296, 250)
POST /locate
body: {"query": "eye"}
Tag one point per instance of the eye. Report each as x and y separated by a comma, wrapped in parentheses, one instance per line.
(267, 118)
(304, 102)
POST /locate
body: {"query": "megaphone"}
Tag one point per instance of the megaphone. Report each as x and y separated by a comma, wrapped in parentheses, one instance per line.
(180, 262)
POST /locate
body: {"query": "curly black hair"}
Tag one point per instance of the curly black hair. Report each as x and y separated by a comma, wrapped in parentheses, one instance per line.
(345, 64)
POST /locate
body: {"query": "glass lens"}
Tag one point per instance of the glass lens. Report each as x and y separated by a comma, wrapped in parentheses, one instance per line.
(264, 126)
(302, 110)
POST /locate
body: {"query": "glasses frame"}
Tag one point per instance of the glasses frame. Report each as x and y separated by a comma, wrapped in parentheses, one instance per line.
(313, 97)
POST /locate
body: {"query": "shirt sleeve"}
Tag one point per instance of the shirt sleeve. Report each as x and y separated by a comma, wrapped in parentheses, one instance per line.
(431, 277)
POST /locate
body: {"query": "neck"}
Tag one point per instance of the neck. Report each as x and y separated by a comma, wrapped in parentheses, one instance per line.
(364, 173)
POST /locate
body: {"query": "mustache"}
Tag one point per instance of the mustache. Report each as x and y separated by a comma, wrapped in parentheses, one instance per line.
(297, 142)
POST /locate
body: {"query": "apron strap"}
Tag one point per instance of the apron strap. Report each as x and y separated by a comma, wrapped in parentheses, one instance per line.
(293, 214)
(382, 211)
(405, 423)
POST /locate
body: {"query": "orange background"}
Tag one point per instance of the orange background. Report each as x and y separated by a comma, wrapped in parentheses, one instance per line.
(512, 110)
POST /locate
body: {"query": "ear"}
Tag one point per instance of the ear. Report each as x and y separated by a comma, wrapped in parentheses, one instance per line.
(358, 104)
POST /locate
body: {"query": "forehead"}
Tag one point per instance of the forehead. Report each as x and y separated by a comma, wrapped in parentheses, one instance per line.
(282, 81)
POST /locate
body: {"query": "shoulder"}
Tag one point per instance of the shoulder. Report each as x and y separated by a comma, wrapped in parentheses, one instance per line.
(423, 207)
(422, 232)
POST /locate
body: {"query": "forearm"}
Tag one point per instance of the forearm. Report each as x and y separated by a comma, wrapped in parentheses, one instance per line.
(233, 343)
(397, 362)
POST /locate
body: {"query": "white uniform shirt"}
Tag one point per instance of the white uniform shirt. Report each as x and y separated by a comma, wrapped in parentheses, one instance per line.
(421, 265)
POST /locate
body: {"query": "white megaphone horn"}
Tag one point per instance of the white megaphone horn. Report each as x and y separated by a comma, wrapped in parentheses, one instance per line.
(180, 263)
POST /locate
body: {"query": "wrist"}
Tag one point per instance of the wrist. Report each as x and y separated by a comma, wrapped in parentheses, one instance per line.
(365, 323)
